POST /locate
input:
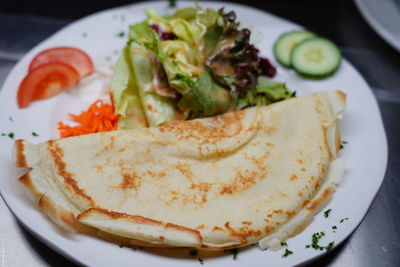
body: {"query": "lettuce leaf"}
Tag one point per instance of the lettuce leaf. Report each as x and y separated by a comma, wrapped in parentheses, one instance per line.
(211, 39)
(126, 96)
(192, 34)
(132, 115)
(188, 13)
(188, 32)
(187, 25)
(178, 62)
(273, 90)
(215, 28)
(234, 62)
(210, 21)
(182, 83)
(158, 109)
(155, 18)
(142, 34)
(206, 98)
(265, 92)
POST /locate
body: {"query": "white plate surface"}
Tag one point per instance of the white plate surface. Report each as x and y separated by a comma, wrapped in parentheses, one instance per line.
(384, 17)
(362, 128)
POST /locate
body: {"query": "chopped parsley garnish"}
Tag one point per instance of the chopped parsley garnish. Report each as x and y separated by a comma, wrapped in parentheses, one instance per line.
(316, 237)
(330, 245)
(326, 213)
(234, 252)
(344, 219)
(34, 134)
(171, 3)
(121, 246)
(193, 253)
(287, 253)
(120, 34)
(284, 244)
(201, 261)
(11, 135)
(342, 144)
(334, 228)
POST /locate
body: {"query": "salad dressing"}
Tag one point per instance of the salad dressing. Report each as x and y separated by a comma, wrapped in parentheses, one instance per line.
(221, 68)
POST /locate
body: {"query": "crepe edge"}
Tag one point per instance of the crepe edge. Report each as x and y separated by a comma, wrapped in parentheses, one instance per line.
(138, 228)
(54, 207)
(337, 100)
(301, 220)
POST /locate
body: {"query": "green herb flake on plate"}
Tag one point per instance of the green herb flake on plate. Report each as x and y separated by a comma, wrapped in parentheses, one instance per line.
(287, 253)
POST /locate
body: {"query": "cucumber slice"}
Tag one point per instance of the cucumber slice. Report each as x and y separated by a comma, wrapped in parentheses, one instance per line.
(316, 57)
(284, 45)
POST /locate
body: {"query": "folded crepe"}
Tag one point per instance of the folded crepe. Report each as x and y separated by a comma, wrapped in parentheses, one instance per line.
(255, 175)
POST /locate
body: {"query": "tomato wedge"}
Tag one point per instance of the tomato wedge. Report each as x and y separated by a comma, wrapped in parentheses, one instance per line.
(72, 56)
(46, 81)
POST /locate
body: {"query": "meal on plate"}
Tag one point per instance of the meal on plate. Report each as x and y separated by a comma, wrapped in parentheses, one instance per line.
(197, 146)
(255, 175)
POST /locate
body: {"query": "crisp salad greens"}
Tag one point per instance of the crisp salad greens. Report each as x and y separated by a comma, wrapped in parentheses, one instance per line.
(194, 63)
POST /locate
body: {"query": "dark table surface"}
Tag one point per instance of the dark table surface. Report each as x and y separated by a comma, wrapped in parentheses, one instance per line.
(376, 242)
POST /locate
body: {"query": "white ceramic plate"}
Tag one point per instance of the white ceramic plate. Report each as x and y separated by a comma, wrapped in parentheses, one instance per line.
(384, 17)
(365, 153)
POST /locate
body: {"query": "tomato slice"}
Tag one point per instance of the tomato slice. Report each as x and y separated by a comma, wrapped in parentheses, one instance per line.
(72, 56)
(46, 81)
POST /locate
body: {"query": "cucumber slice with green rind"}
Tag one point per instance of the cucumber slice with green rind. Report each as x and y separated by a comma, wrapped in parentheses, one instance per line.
(285, 43)
(316, 57)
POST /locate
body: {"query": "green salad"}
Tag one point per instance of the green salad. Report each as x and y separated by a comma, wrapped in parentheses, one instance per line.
(194, 63)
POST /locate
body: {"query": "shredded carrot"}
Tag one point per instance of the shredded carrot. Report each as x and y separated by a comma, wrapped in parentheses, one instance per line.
(100, 117)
